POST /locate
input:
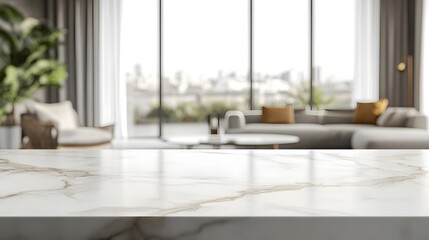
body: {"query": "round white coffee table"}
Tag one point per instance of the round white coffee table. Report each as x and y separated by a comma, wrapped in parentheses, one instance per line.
(248, 140)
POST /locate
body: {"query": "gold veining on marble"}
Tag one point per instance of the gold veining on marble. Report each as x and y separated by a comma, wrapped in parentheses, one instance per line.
(213, 183)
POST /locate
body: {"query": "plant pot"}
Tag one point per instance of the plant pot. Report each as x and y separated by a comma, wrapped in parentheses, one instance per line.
(10, 137)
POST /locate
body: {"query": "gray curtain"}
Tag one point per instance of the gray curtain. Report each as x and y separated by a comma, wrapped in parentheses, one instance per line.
(80, 18)
(400, 42)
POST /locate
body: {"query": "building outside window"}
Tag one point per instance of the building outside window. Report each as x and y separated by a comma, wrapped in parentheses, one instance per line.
(209, 48)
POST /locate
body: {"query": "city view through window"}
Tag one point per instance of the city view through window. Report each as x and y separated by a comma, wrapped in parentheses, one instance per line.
(206, 58)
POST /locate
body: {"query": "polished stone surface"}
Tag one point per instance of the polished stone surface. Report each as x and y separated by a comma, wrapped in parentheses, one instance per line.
(215, 228)
(214, 183)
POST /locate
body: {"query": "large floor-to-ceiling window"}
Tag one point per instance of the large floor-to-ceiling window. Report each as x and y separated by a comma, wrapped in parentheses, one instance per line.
(334, 52)
(199, 57)
(140, 65)
(345, 45)
(281, 38)
(205, 60)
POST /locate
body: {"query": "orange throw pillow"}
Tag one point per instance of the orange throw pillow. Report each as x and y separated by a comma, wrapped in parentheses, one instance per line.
(367, 113)
(278, 115)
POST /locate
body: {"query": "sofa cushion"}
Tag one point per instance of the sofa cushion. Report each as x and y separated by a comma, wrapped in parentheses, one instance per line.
(367, 113)
(278, 115)
(343, 133)
(338, 117)
(83, 136)
(391, 138)
(419, 121)
(395, 116)
(61, 114)
(253, 116)
(301, 116)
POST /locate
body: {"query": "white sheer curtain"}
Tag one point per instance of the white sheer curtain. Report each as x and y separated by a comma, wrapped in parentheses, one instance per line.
(111, 90)
(366, 76)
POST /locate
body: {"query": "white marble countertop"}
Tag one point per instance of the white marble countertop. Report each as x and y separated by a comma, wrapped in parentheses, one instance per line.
(215, 183)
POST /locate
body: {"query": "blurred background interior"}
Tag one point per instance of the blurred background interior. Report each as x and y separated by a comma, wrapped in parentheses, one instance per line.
(135, 73)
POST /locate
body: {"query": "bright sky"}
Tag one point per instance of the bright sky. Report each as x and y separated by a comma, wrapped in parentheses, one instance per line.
(202, 37)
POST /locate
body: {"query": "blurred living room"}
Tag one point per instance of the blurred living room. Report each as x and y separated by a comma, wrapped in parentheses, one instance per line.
(214, 74)
(146, 109)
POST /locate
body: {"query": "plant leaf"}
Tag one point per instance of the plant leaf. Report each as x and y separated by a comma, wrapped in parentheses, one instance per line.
(36, 54)
(28, 25)
(9, 38)
(10, 14)
(12, 82)
(25, 64)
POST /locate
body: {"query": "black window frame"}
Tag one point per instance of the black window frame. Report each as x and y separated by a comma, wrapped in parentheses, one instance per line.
(251, 57)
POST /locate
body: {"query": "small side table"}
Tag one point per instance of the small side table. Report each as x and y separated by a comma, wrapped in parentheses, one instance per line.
(244, 140)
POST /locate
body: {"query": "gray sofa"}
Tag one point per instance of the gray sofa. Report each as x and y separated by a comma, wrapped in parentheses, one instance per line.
(397, 128)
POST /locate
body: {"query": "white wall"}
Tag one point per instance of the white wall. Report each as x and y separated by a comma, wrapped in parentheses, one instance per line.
(31, 8)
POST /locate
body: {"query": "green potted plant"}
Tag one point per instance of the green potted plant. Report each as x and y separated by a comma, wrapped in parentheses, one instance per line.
(26, 62)
(301, 95)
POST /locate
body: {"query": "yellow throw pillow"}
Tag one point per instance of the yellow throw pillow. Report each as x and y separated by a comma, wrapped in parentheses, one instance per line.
(278, 115)
(367, 113)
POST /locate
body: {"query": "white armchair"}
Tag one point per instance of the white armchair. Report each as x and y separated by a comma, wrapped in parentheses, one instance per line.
(56, 125)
